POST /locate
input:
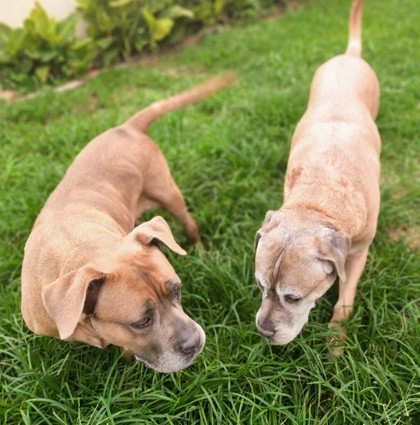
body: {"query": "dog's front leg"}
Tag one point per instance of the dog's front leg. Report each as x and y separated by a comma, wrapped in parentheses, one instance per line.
(347, 292)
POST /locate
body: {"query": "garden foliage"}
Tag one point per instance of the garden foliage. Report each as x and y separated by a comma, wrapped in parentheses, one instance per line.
(47, 51)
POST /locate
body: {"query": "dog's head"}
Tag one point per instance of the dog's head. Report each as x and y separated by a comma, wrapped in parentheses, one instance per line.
(297, 261)
(130, 297)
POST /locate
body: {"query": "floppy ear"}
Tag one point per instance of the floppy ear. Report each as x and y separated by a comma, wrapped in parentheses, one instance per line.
(333, 251)
(157, 230)
(257, 239)
(268, 216)
(273, 218)
(66, 298)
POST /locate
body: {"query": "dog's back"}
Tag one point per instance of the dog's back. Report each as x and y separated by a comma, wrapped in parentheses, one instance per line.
(345, 85)
(337, 139)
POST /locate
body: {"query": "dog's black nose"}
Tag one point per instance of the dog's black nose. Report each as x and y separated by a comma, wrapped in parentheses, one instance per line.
(265, 332)
(265, 327)
(191, 344)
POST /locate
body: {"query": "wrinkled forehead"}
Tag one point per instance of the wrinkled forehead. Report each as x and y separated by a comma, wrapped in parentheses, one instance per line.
(267, 253)
(149, 263)
(279, 262)
(123, 293)
(127, 286)
(152, 269)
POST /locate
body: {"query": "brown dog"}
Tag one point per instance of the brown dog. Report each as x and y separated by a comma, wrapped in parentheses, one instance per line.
(87, 275)
(331, 198)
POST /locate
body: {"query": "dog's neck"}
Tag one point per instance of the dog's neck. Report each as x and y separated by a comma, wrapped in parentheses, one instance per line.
(313, 210)
(347, 209)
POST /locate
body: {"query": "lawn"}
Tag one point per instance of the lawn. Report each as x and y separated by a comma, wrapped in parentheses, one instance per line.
(228, 155)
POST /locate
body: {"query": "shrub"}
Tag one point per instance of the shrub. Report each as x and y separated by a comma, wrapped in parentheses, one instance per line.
(43, 50)
(47, 51)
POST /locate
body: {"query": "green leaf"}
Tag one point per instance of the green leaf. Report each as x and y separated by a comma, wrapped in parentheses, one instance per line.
(42, 72)
(104, 43)
(104, 21)
(119, 3)
(150, 19)
(80, 56)
(140, 44)
(158, 28)
(175, 12)
(66, 29)
(5, 32)
(83, 4)
(46, 57)
(83, 43)
(40, 24)
(163, 28)
(5, 58)
(219, 6)
(41, 55)
(111, 55)
(16, 41)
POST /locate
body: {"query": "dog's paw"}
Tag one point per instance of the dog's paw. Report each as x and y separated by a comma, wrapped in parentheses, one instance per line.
(337, 339)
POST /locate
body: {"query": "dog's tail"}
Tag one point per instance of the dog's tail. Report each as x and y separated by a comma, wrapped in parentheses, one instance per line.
(143, 119)
(354, 46)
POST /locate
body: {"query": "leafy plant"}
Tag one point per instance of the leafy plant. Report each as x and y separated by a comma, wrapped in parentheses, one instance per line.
(122, 28)
(44, 48)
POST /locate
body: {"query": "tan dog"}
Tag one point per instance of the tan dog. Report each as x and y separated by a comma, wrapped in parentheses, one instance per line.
(331, 198)
(87, 275)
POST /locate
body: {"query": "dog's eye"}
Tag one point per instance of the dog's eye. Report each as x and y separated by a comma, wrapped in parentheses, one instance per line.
(143, 323)
(291, 299)
(174, 290)
(177, 293)
(257, 239)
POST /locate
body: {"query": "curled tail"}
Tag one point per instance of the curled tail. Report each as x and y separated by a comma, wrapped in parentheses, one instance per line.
(354, 46)
(143, 119)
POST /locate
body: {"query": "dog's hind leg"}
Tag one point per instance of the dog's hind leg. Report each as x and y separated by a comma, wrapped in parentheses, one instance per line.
(161, 191)
(176, 205)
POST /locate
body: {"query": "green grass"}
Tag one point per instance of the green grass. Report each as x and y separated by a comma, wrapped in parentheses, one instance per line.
(228, 155)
